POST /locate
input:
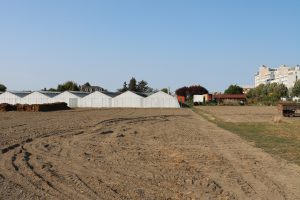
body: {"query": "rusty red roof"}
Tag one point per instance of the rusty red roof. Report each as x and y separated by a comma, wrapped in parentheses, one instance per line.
(229, 96)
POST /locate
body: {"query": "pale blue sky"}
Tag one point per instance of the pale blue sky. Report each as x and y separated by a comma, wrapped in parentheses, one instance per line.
(165, 42)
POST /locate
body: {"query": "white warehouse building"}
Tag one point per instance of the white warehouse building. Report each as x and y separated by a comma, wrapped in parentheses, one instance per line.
(39, 97)
(96, 100)
(92, 100)
(128, 99)
(12, 97)
(161, 100)
(72, 98)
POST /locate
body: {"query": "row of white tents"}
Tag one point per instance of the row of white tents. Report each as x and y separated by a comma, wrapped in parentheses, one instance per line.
(90, 100)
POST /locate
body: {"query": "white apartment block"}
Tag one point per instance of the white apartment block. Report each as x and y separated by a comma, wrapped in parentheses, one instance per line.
(283, 74)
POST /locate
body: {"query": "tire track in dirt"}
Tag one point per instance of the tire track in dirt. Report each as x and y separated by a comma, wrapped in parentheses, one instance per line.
(137, 154)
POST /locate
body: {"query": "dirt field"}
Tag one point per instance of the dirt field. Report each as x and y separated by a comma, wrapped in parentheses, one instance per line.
(134, 154)
(243, 113)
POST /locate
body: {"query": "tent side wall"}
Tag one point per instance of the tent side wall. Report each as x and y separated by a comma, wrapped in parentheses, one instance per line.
(128, 100)
(36, 98)
(67, 97)
(161, 100)
(10, 98)
(96, 100)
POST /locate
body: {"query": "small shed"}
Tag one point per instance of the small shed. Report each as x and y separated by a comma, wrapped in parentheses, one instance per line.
(96, 100)
(128, 99)
(198, 98)
(161, 100)
(296, 99)
(12, 97)
(204, 98)
(72, 98)
(39, 97)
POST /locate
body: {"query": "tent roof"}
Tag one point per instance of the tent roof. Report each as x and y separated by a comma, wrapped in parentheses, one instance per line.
(130, 92)
(160, 93)
(111, 94)
(20, 94)
(142, 93)
(79, 94)
(98, 93)
(49, 93)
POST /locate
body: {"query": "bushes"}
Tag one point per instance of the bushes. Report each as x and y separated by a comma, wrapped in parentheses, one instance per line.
(296, 89)
(234, 89)
(2, 88)
(268, 94)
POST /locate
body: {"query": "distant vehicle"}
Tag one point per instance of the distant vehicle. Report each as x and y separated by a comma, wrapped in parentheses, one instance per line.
(288, 109)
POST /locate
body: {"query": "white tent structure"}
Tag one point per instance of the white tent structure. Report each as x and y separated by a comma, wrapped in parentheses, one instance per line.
(128, 100)
(39, 97)
(72, 98)
(161, 100)
(96, 100)
(12, 97)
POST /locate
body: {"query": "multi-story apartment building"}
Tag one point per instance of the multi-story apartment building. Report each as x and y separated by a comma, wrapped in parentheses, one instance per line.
(283, 74)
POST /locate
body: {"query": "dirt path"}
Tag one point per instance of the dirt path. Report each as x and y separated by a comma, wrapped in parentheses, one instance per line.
(134, 154)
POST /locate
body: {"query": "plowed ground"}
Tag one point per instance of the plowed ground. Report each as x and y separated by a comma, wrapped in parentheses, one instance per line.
(134, 154)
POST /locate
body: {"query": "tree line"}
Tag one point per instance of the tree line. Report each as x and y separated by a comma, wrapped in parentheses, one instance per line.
(271, 93)
(133, 85)
(267, 94)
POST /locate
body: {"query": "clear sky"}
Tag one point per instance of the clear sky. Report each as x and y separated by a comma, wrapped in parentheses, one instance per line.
(173, 43)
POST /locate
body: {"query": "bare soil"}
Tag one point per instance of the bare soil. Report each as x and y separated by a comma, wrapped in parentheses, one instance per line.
(134, 154)
(243, 113)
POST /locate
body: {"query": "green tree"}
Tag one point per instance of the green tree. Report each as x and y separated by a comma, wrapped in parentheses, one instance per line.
(296, 89)
(69, 85)
(165, 90)
(2, 88)
(52, 90)
(125, 88)
(87, 84)
(280, 91)
(268, 94)
(132, 85)
(142, 86)
(234, 89)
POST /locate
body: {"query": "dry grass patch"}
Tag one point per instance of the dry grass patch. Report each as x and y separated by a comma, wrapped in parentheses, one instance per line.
(278, 136)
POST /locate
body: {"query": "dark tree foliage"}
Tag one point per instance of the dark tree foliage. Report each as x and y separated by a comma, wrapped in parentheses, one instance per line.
(132, 85)
(69, 85)
(2, 88)
(190, 91)
(234, 89)
(268, 94)
(52, 90)
(182, 91)
(165, 90)
(87, 84)
(125, 88)
(197, 90)
(296, 89)
(142, 86)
